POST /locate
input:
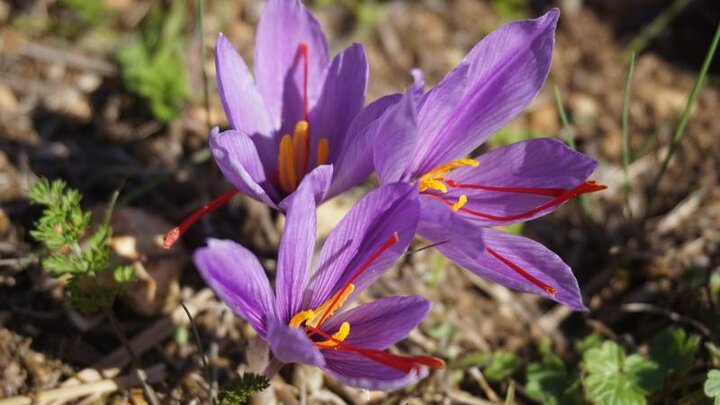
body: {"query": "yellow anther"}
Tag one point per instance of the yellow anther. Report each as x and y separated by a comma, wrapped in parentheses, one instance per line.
(300, 147)
(432, 184)
(301, 317)
(311, 317)
(286, 165)
(337, 338)
(323, 151)
(432, 180)
(325, 307)
(460, 203)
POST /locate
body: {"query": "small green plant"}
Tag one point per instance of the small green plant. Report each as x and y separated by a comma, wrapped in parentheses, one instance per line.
(501, 366)
(712, 386)
(511, 9)
(608, 375)
(154, 66)
(241, 388)
(80, 257)
(613, 378)
(549, 382)
(74, 252)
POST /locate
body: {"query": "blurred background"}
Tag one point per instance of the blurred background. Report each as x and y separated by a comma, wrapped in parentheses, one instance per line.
(109, 94)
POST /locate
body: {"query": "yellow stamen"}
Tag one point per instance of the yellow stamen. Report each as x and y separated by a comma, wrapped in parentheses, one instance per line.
(311, 317)
(323, 151)
(337, 338)
(300, 146)
(325, 307)
(286, 165)
(432, 180)
(460, 203)
(301, 317)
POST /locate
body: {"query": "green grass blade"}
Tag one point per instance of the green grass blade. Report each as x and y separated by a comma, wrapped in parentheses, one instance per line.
(570, 139)
(680, 129)
(626, 132)
(569, 135)
(200, 27)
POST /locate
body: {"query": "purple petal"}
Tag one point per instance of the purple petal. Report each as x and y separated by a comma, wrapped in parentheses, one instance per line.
(296, 249)
(381, 323)
(341, 100)
(506, 71)
(358, 371)
(436, 108)
(396, 139)
(545, 164)
(291, 345)
(369, 224)
(241, 100)
(317, 181)
(279, 66)
(355, 161)
(472, 247)
(237, 277)
(238, 159)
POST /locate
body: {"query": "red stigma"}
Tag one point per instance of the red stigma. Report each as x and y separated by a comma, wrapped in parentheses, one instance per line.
(529, 277)
(304, 54)
(393, 239)
(405, 364)
(551, 192)
(174, 234)
(560, 195)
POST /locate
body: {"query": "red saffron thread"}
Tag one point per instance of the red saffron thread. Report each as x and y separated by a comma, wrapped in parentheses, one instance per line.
(305, 54)
(393, 239)
(174, 234)
(529, 277)
(587, 187)
(551, 192)
(405, 364)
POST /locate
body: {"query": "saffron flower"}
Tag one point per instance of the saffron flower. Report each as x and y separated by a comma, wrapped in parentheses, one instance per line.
(424, 138)
(302, 321)
(299, 115)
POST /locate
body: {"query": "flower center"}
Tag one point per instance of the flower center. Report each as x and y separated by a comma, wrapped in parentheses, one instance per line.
(433, 184)
(315, 317)
(294, 150)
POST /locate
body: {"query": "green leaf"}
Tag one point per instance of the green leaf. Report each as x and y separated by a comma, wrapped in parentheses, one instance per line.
(241, 388)
(502, 366)
(154, 67)
(712, 386)
(674, 351)
(614, 379)
(124, 274)
(713, 350)
(590, 341)
(550, 383)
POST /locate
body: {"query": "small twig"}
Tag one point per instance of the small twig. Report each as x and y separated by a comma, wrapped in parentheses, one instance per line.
(487, 389)
(680, 129)
(641, 307)
(155, 373)
(420, 249)
(142, 377)
(19, 263)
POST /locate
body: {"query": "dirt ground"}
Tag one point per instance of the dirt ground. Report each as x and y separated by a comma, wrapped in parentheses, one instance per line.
(64, 112)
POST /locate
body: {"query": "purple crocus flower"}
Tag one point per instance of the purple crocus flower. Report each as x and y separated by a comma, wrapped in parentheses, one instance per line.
(301, 117)
(423, 141)
(302, 321)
